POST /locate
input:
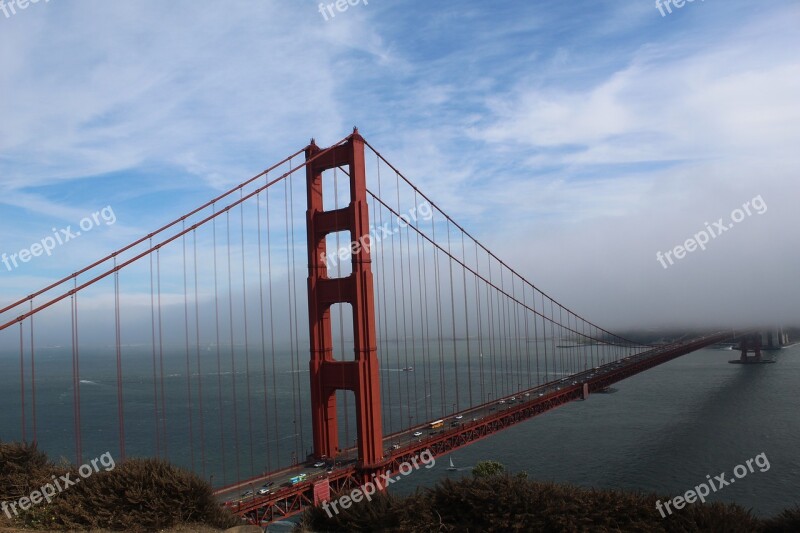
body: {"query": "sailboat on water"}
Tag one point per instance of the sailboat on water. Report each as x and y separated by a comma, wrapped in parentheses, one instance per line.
(452, 467)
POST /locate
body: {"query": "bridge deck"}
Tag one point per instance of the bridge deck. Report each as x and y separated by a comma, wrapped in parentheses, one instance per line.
(471, 425)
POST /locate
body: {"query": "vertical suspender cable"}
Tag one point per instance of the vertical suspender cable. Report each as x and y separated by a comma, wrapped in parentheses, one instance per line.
(294, 293)
(480, 325)
(453, 319)
(22, 382)
(427, 337)
(527, 336)
(272, 332)
(413, 328)
(267, 448)
(536, 337)
(33, 379)
(508, 309)
(490, 320)
(555, 340)
(424, 325)
(155, 361)
(233, 350)
(189, 405)
(396, 358)
(246, 342)
(385, 320)
(161, 360)
(439, 330)
(219, 353)
(544, 340)
(466, 318)
(383, 351)
(76, 376)
(505, 350)
(516, 313)
(292, 356)
(199, 365)
(118, 344)
(510, 305)
(590, 343)
(406, 375)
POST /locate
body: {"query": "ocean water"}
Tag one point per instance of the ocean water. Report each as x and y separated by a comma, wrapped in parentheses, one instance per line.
(229, 424)
(663, 431)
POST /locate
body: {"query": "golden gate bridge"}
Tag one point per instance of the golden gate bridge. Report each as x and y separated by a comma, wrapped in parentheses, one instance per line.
(318, 324)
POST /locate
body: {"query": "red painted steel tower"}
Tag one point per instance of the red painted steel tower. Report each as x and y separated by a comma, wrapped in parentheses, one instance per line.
(327, 374)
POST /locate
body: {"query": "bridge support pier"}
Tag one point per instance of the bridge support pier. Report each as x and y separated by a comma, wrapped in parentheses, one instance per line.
(751, 343)
(328, 374)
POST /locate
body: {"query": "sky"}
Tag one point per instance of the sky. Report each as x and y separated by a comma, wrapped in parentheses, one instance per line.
(580, 141)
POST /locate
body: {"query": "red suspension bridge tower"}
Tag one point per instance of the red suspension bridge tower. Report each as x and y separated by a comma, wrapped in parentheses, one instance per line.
(329, 375)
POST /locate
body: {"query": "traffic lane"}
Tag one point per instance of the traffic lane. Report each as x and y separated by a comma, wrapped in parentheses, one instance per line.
(249, 492)
(408, 437)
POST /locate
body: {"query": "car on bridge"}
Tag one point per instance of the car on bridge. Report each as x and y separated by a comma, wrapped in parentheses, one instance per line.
(297, 479)
(417, 433)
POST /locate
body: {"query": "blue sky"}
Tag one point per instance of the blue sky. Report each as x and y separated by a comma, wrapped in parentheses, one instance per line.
(576, 138)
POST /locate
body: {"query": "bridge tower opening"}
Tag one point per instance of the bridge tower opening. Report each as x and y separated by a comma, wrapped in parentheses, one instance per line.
(328, 375)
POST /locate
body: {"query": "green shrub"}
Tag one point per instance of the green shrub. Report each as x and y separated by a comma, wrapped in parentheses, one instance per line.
(138, 495)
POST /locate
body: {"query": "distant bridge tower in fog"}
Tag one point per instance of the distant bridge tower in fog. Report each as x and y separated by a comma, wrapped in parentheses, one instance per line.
(775, 339)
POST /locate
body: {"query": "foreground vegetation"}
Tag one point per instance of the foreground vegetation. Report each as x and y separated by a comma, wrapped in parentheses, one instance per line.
(496, 501)
(150, 495)
(138, 495)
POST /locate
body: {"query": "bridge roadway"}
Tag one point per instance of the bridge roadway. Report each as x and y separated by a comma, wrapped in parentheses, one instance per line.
(463, 428)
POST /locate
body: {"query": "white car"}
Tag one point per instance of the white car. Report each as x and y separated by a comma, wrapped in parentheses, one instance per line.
(417, 433)
(459, 417)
